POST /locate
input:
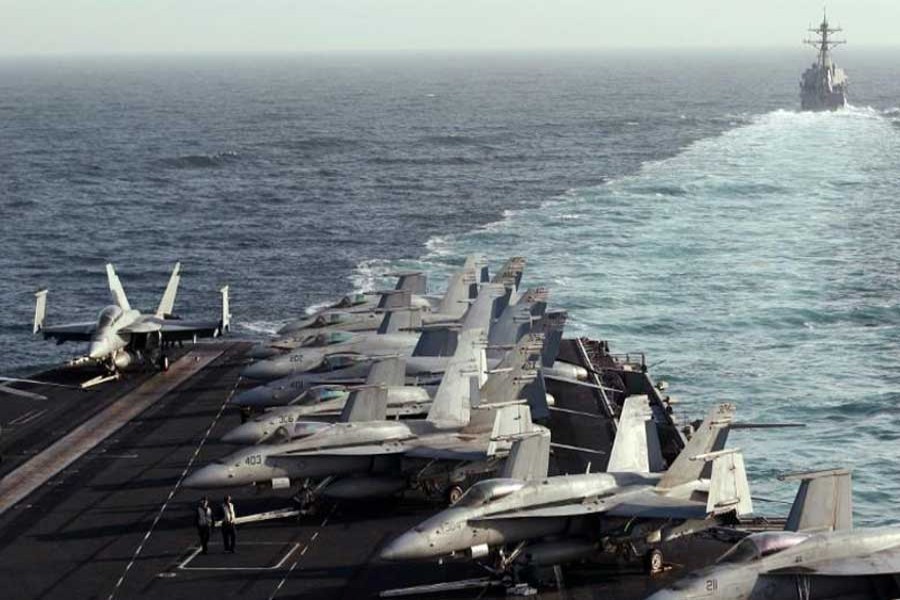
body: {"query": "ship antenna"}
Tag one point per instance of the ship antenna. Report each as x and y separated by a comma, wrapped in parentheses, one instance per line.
(822, 42)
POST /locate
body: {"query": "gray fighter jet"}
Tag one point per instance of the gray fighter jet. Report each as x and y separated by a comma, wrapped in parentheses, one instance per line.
(283, 423)
(817, 557)
(370, 456)
(628, 510)
(368, 321)
(122, 335)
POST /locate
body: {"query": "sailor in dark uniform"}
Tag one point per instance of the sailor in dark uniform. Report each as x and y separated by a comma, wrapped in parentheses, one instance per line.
(204, 521)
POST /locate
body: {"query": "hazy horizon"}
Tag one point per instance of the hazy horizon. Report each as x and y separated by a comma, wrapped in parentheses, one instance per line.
(200, 27)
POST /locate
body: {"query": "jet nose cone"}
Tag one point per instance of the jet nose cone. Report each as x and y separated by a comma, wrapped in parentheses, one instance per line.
(268, 370)
(255, 397)
(99, 349)
(409, 546)
(208, 477)
(248, 433)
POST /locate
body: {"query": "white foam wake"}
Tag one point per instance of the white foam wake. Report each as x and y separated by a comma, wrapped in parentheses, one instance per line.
(756, 263)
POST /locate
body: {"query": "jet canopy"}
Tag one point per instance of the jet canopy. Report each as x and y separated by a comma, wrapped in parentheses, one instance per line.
(488, 490)
(351, 300)
(108, 316)
(319, 395)
(760, 545)
(331, 318)
(339, 361)
(328, 339)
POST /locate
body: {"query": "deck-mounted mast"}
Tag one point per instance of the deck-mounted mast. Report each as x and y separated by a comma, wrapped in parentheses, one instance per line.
(823, 43)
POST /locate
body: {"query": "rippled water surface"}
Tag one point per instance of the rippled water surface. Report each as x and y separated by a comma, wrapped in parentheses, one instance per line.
(676, 204)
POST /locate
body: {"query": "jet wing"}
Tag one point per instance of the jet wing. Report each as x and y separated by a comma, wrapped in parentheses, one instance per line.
(393, 447)
(643, 505)
(452, 447)
(651, 506)
(883, 562)
(72, 332)
(175, 329)
(143, 326)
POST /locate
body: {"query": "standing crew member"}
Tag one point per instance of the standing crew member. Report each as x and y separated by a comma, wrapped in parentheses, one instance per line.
(228, 532)
(204, 522)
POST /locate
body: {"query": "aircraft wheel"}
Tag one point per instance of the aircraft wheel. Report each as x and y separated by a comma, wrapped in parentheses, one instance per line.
(454, 494)
(653, 561)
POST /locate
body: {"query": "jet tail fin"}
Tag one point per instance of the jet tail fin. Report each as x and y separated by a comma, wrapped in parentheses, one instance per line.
(414, 282)
(481, 312)
(394, 299)
(478, 266)
(398, 320)
(453, 303)
(456, 297)
(388, 372)
(516, 377)
(167, 303)
(684, 469)
(728, 486)
(636, 446)
(366, 403)
(226, 310)
(529, 457)
(452, 403)
(40, 310)
(554, 322)
(437, 341)
(369, 402)
(517, 319)
(824, 501)
(116, 289)
(511, 271)
(509, 423)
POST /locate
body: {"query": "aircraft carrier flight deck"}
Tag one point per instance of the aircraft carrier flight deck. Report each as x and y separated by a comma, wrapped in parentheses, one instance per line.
(93, 511)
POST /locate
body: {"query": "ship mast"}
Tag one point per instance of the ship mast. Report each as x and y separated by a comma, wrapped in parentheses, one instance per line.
(822, 42)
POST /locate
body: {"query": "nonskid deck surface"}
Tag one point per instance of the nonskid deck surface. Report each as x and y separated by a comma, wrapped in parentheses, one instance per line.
(30, 425)
(117, 524)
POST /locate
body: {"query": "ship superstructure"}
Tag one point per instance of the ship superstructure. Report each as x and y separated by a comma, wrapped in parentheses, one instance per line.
(823, 86)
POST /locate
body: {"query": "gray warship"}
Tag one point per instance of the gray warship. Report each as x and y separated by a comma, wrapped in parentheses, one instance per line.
(823, 86)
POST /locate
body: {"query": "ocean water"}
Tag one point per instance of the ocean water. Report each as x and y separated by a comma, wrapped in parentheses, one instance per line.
(675, 203)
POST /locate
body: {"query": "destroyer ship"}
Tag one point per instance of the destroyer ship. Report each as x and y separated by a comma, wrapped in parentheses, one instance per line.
(823, 86)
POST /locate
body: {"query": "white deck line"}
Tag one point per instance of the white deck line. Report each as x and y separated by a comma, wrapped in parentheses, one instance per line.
(18, 484)
(196, 551)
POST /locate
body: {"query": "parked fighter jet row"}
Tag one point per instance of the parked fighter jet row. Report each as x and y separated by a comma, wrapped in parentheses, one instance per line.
(401, 392)
(444, 397)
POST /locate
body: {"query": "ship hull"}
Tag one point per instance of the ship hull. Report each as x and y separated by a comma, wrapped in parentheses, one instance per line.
(820, 102)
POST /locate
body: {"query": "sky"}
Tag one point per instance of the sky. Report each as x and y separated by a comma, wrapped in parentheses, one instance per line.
(112, 27)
